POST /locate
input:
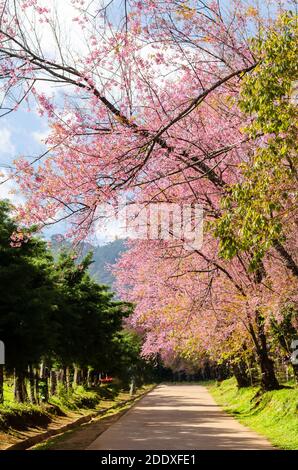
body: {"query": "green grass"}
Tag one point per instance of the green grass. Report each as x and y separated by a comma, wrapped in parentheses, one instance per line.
(21, 416)
(79, 398)
(272, 414)
(49, 444)
(82, 401)
(8, 392)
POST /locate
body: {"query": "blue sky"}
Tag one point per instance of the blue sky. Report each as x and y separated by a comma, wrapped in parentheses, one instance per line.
(21, 134)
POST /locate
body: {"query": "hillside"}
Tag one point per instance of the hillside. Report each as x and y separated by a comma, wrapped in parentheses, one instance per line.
(102, 256)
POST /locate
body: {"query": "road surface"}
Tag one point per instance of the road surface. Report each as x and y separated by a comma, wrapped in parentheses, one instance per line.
(183, 417)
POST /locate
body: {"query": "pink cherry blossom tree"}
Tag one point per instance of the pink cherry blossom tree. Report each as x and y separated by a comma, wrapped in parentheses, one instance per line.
(146, 107)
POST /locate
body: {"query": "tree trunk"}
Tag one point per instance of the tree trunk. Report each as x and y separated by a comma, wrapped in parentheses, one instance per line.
(132, 387)
(89, 378)
(295, 370)
(1, 383)
(32, 384)
(268, 377)
(287, 257)
(68, 382)
(76, 375)
(96, 381)
(84, 373)
(63, 377)
(93, 378)
(36, 385)
(252, 370)
(268, 380)
(240, 373)
(53, 379)
(45, 382)
(20, 391)
(24, 387)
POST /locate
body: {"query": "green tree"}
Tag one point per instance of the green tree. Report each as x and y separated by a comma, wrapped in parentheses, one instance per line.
(258, 212)
(55, 316)
(27, 299)
(128, 362)
(88, 316)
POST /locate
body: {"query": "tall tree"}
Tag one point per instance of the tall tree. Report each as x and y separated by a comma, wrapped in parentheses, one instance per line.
(88, 316)
(260, 209)
(27, 298)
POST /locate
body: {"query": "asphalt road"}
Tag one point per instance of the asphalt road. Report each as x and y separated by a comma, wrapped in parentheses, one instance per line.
(183, 417)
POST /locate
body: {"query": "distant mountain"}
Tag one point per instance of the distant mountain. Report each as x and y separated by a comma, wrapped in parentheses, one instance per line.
(102, 256)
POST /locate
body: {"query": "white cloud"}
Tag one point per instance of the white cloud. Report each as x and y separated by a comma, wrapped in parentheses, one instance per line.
(9, 189)
(61, 28)
(40, 136)
(60, 39)
(6, 145)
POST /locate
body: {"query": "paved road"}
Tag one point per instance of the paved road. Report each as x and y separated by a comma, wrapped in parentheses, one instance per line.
(183, 417)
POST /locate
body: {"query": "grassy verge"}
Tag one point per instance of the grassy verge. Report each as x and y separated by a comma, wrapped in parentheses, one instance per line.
(81, 436)
(21, 416)
(22, 421)
(272, 414)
